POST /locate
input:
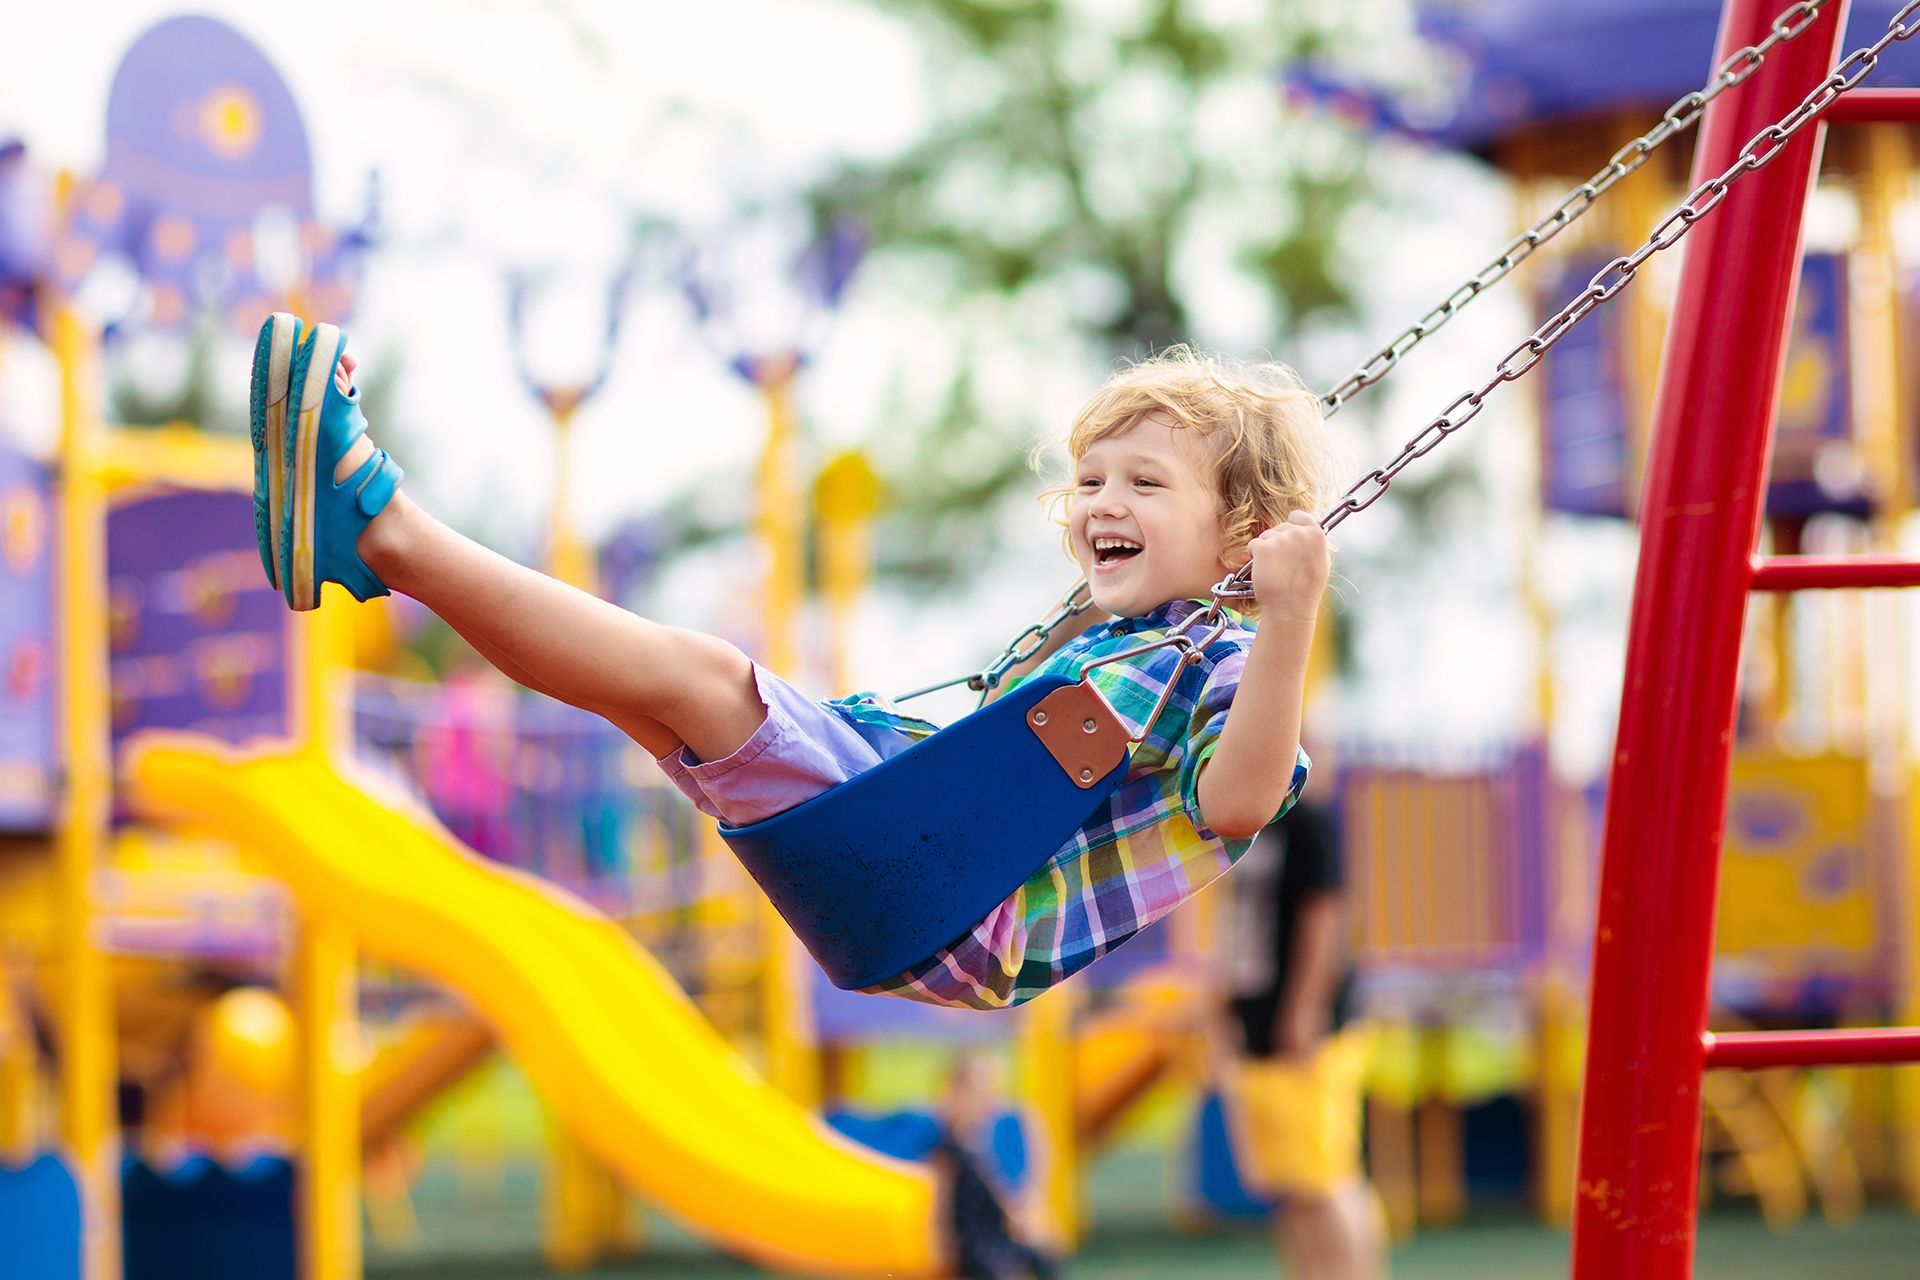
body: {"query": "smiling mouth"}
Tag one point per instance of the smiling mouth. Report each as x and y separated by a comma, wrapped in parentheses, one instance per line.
(1110, 552)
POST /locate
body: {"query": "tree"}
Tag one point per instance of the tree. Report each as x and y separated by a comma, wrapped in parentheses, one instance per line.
(1093, 187)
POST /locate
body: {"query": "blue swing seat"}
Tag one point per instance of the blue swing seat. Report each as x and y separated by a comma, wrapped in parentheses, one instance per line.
(882, 871)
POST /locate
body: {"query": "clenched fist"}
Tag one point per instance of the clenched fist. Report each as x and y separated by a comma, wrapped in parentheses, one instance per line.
(1290, 567)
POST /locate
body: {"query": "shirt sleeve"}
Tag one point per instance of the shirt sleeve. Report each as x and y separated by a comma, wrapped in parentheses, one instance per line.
(1203, 738)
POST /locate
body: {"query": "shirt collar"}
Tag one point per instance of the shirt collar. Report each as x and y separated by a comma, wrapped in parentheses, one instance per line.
(1171, 614)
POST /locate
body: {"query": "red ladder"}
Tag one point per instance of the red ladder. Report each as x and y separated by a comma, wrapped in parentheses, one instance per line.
(1636, 1194)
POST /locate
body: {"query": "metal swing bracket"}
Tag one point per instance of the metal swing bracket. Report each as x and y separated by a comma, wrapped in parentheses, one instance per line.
(1078, 726)
(1080, 731)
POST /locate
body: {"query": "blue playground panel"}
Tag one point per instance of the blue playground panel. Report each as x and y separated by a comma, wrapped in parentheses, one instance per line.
(202, 1219)
(910, 1135)
(1217, 1185)
(40, 1221)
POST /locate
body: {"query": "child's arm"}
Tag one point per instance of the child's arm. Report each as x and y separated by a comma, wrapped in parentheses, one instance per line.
(1242, 785)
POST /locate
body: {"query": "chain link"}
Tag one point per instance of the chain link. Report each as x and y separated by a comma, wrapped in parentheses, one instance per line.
(1677, 118)
(1019, 649)
(1610, 279)
(1605, 284)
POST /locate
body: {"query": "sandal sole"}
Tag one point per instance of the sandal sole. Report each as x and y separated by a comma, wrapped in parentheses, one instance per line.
(312, 370)
(267, 410)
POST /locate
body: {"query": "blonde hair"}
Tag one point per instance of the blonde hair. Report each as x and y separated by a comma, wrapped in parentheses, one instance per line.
(1269, 449)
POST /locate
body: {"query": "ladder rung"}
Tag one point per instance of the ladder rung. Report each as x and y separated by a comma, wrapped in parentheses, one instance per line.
(1853, 1047)
(1817, 573)
(1876, 106)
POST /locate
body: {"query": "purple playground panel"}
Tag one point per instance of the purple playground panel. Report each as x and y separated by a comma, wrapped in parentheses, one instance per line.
(198, 640)
(205, 147)
(27, 644)
(540, 786)
(1463, 862)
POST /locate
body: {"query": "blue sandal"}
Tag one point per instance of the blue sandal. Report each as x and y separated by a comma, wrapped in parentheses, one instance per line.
(267, 420)
(320, 521)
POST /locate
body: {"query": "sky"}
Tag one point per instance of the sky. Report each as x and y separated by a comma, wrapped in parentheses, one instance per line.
(510, 135)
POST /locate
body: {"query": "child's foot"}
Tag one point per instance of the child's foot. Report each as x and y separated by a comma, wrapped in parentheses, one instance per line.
(328, 478)
(362, 447)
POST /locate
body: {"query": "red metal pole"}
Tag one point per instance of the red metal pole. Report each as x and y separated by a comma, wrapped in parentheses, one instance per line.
(1634, 1200)
(1845, 1047)
(1877, 106)
(1833, 573)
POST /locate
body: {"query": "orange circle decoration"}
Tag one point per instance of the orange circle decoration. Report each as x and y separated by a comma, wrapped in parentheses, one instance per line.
(23, 527)
(173, 238)
(226, 675)
(124, 603)
(229, 120)
(73, 255)
(103, 202)
(209, 593)
(27, 670)
(169, 305)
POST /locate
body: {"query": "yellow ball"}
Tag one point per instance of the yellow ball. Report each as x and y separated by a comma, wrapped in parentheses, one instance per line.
(248, 1039)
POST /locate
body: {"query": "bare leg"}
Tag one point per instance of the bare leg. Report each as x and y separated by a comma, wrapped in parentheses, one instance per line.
(645, 730)
(665, 686)
(1333, 1235)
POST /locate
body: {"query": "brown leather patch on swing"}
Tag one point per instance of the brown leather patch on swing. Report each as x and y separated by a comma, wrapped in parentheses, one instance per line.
(1079, 732)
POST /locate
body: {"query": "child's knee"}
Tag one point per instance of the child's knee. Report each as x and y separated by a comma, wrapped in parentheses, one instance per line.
(707, 670)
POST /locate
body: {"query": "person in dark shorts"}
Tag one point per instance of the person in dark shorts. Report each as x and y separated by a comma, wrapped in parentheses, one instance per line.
(982, 1239)
(1293, 1087)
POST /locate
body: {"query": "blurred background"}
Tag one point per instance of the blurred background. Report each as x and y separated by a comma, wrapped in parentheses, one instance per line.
(769, 319)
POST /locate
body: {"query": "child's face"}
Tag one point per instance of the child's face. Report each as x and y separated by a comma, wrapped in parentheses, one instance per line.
(1148, 488)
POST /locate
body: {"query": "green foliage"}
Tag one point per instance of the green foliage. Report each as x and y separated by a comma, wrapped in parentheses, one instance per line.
(1093, 176)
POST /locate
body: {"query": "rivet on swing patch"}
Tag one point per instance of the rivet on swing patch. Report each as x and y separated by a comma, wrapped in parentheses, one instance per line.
(1080, 732)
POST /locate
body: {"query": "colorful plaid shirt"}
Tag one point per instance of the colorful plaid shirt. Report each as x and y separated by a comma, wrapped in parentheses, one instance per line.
(1141, 855)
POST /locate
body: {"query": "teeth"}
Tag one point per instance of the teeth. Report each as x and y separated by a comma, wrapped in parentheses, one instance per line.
(1114, 544)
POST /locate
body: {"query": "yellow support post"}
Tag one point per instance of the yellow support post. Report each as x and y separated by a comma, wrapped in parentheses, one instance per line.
(786, 1015)
(84, 1005)
(325, 987)
(19, 1080)
(570, 560)
(570, 1239)
(846, 494)
(325, 1009)
(1046, 1089)
(1884, 398)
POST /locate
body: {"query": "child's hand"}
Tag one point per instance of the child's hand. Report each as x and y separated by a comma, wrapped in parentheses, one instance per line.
(1290, 567)
(343, 373)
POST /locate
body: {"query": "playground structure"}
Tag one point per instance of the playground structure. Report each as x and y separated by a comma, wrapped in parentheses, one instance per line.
(1526, 921)
(146, 573)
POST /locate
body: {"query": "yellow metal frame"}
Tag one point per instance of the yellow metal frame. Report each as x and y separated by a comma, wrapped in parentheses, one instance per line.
(84, 1005)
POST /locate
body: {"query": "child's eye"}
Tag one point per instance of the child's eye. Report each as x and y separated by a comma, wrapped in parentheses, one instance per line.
(1087, 482)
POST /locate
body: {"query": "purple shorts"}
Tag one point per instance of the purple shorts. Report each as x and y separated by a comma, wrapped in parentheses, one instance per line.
(802, 748)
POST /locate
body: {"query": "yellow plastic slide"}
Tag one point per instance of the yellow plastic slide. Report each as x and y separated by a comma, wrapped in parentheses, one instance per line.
(621, 1054)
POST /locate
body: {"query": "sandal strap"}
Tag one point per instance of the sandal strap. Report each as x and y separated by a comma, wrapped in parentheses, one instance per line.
(375, 483)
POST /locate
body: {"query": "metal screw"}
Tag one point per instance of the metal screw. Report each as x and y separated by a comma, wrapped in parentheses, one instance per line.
(1086, 775)
(1039, 717)
(1088, 724)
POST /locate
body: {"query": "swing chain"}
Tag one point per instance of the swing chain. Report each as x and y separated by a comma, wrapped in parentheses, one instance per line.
(1677, 118)
(1022, 647)
(1680, 116)
(1610, 279)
